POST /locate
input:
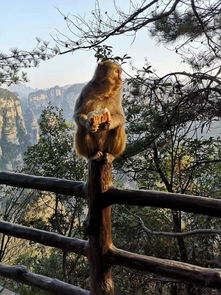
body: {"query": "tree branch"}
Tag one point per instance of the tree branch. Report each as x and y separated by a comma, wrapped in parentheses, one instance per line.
(211, 232)
(102, 36)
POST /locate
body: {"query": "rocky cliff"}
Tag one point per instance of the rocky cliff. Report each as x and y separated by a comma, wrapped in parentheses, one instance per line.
(13, 133)
(19, 115)
(62, 97)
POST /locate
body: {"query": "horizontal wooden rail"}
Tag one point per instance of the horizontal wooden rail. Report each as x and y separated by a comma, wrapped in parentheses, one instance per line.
(44, 237)
(52, 184)
(21, 274)
(172, 269)
(168, 268)
(186, 203)
(175, 201)
(201, 276)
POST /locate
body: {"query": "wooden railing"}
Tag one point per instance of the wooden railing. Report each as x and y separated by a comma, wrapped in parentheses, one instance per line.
(99, 248)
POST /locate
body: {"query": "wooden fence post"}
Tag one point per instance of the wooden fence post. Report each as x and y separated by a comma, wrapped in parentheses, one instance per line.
(99, 229)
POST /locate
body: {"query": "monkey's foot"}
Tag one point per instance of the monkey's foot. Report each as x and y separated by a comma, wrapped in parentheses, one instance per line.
(108, 158)
(98, 156)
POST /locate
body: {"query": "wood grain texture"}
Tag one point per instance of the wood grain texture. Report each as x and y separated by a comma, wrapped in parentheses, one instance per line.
(99, 230)
(206, 277)
(52, 184)
(44, 237)
(186, 203)
(21, 274)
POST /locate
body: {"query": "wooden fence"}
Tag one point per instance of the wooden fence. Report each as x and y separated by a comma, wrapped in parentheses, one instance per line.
(99, 249)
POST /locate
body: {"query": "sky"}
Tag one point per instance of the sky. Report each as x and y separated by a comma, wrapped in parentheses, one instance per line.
(24, 20)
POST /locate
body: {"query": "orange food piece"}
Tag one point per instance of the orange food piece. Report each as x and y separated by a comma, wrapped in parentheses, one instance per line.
(99, 117)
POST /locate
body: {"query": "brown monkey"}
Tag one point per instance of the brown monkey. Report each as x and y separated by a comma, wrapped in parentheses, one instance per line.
(99, 115)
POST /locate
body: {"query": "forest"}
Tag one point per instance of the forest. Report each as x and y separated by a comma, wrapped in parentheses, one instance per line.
(171, 147)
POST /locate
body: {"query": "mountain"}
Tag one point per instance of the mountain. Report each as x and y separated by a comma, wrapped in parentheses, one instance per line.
(13, 133)
(34, 101)
(62, 97)
(21, 89)
(19, 115)
(23, 92)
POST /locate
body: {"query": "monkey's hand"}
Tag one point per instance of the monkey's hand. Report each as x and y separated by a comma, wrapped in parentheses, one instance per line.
(92, 126)
(107, 122)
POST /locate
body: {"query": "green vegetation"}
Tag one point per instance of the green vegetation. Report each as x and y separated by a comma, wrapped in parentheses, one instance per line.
(52, 156)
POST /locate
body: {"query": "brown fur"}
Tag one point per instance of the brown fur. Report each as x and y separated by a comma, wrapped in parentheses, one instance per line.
(97, 137)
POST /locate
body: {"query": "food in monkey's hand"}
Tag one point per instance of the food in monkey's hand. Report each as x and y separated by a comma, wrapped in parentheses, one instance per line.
(101, 118)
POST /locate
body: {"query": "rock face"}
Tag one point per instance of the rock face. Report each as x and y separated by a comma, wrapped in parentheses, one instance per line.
(62, 97)
(19, 115)
(32, 127)
(13, 134)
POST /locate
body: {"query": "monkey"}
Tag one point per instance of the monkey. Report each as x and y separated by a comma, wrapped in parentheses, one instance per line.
(99, 115)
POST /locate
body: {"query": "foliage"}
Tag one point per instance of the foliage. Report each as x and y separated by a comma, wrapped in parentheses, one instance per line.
(195, 29)
(170, 149)
(53, 155)
(12, 63)
(105, 52)
(49, 262)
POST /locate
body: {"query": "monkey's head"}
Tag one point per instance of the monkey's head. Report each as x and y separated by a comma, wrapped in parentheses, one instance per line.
(108, 72)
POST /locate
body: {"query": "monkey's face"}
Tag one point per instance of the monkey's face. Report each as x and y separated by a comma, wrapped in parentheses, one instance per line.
(108, 74)
(109, 69)
(116, 73)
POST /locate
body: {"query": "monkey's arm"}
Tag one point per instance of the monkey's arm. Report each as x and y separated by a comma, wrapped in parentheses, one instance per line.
(82, 119)
(116, 120)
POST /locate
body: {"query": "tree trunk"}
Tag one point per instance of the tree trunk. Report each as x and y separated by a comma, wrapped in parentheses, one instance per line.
(177, 228)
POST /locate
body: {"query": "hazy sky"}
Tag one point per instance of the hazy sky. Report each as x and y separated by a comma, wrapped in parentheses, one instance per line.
(23, 20)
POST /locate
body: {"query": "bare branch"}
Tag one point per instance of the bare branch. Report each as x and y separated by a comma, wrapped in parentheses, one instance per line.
(148, 231)
(132, 23)
(200, 76)
(211, 232)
